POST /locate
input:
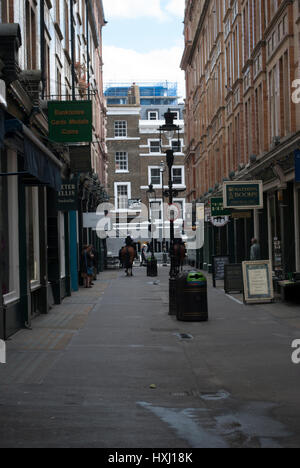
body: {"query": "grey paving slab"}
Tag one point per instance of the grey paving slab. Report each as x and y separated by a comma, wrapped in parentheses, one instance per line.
(109, 368)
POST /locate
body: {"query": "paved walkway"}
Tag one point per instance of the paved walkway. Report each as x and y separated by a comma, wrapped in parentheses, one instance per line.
(109, 368)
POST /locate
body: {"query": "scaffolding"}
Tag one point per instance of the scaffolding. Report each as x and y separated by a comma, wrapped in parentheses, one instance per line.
(147, 89)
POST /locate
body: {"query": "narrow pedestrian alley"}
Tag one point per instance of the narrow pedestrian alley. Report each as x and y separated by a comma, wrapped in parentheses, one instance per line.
(110, 368)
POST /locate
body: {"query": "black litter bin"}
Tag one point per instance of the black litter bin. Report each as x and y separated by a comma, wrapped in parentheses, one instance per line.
(152, 267)
(192, 297)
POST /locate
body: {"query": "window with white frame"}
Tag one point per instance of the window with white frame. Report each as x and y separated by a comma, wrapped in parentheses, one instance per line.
(176, 114)
(31, 34)
(155, 210)
(120, 128)
(9, 229)
(177, 175)
(152, 115)
(154, 146)
(154, 176)
(122, 195)
(33, 235)
(176, 146)
(121, 161)
(180, 204)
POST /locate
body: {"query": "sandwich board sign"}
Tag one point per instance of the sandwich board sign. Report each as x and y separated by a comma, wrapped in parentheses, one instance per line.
(233, 278)
(219, 263)
(258, 283)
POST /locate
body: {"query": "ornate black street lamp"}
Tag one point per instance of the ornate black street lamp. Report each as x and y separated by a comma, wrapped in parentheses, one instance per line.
(152, 264)
(164, 251)
(170, 130)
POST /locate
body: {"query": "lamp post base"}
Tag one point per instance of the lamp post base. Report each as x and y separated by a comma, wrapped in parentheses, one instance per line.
(165, 259)
(152, 267)
(172, 296)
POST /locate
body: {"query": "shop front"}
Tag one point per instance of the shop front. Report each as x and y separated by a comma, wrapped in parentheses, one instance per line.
(28, 167)
(283, 218)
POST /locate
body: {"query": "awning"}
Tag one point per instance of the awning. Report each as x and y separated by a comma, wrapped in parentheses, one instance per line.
(39, 161)
(1, 128)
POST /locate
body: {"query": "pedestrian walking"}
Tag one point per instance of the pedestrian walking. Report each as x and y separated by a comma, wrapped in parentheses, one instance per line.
(145, 249)
(95, 261)
(255, 250)
(87, 266)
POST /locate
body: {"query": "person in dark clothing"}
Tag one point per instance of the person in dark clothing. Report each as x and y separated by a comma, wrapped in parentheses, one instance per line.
(87, 265)
(255, 250)
(143, 255)
(95, 261)
(130, 243)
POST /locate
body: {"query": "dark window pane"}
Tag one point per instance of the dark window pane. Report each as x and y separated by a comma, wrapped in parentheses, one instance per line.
(4, 234)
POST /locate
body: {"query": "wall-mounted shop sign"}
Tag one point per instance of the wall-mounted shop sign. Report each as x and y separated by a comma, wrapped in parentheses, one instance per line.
(67, 198)
(218, 267)
(258, 284)
(207, 213)
(217, 207)
(70, 121)
(297, 165)
(243, 195)
(219, 221)
(241, 215)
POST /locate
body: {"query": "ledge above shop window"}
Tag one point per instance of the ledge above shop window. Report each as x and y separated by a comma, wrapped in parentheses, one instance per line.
(34, 285)
(10, 298)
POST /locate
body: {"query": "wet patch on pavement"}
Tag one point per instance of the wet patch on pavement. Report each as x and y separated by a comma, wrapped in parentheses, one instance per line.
(251, 425)
(184, 336)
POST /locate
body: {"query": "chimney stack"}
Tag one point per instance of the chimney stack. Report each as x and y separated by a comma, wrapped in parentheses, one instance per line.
(134, 95)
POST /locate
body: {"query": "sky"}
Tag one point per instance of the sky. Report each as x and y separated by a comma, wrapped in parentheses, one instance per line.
(143, 41)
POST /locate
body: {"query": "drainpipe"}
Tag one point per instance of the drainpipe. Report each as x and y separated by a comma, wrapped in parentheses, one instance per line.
(297, 226)
(278, 171)
(87, 47)
(72, 49)
(42, 57)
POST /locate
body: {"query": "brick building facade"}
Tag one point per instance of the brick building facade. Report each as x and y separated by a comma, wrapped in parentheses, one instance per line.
(241, 58)
(48, 51)
(135, 156)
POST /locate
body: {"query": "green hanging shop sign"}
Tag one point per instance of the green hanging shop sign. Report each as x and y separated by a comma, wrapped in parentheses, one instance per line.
(70, 121)
(217, 207)
(243, 195)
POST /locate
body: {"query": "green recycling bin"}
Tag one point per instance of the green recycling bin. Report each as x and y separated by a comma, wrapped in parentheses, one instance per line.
(192, 297)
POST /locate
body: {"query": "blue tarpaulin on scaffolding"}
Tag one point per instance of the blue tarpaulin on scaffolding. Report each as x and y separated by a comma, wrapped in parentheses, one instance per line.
(38, 160)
